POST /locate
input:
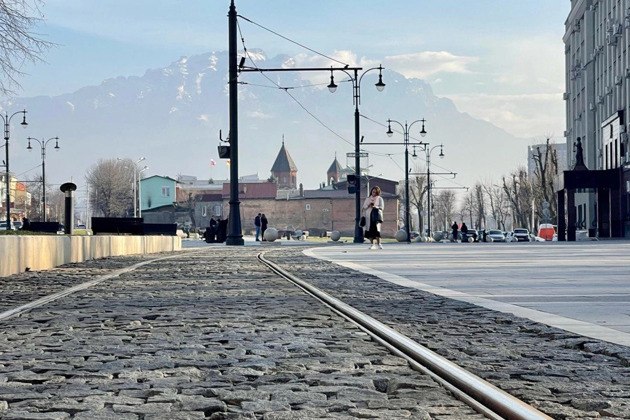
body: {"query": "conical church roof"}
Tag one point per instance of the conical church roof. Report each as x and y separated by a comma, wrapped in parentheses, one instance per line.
(283, 162)
(335, 167)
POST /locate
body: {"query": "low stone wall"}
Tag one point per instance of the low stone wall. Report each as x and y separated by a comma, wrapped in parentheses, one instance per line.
(17, 253)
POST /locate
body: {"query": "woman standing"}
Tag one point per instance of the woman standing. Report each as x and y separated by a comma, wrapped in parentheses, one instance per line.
(373, 207)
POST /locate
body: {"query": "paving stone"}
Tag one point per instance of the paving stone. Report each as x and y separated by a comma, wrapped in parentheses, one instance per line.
(105, 415)
(23, 415)
(215, 335)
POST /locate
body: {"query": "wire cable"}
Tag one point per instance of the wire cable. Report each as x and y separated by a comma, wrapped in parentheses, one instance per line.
(290, 40)
(286, 90)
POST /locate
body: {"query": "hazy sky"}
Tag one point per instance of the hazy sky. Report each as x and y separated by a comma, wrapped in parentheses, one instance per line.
(499, 60)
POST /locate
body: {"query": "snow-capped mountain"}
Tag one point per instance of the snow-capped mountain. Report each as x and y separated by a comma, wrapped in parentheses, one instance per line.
(172, 116)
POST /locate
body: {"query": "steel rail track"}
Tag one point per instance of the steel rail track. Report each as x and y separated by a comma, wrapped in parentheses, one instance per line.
(482, 396)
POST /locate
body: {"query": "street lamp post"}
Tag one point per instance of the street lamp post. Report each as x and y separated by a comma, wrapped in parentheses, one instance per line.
(136, 183)
(43, 144)
(428, 155)
(7, 133)
(356, 89)
(140, 191)
(406, 129)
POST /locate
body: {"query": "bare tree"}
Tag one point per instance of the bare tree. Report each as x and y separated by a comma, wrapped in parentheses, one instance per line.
(518, 191)
(467, 210)
(443, 209)
(18, 43)
(417, 197)
(479, 206)
(545, 182)
(56, 202)
(498, 202)
(110, 184)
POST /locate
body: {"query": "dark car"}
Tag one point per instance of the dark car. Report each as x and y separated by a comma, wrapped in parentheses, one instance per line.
(472, 233)
(522, 235)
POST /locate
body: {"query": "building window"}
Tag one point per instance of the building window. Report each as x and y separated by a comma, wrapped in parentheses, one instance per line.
(166, 191)
(308, 207)
(217, 210)
(204, 211)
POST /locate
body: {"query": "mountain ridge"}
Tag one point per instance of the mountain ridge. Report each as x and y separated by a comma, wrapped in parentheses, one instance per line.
(172, 116)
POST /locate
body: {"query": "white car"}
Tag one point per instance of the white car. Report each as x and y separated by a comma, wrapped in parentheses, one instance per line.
(494, 235)
(3, 225)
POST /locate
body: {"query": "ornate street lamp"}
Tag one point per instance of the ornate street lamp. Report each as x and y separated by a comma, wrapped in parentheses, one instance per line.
(7, 133)
(406, 129)
(43, 144)
(356, 88)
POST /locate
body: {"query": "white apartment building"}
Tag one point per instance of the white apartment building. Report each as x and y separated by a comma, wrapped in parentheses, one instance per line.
(597, 95)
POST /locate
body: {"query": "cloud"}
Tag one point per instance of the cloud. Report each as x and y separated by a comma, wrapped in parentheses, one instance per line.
(523, 115)
(427, 63)
(259, 115)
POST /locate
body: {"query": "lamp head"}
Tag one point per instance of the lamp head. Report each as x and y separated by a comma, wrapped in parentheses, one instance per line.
(29, 148)
(380, 85)
(423, 131)
(332, 87)
(389, 129)
(24, 123)
(441, 152)
(57, 144)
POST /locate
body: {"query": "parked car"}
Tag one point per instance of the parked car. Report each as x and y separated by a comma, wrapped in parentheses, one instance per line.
(546, 231)
(3, 225)
(494, 235)
(522, 235)
(472, 233)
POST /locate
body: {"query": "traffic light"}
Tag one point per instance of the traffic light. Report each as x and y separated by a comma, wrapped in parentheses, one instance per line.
(352, 184)
(224, 152)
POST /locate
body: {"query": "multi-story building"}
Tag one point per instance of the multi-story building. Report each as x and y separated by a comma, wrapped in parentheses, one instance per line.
(597, 95)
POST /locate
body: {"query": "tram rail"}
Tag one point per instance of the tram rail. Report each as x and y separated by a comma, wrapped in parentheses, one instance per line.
(482, 396)
(477, 393)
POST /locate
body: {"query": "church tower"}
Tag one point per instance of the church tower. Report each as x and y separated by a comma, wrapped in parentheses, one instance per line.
(333, 173)
(284, 169)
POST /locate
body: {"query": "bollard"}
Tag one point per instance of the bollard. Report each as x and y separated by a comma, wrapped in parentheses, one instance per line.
(68, 222)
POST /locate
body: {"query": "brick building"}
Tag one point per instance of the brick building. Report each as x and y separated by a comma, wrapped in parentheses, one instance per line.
(287, 205)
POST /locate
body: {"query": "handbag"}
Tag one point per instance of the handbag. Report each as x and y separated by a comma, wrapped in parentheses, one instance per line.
(376, 216)
(379, 217)
(362, 221)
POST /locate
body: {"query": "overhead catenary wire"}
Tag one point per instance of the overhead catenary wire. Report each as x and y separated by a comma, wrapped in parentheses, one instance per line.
(290, 40)
(286, 90)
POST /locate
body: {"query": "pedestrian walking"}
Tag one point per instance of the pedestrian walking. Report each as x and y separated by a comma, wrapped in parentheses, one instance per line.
(373, 207)
(257, 224)
(263, 226)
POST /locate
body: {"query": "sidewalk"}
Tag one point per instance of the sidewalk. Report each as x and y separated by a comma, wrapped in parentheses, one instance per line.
(580, 287)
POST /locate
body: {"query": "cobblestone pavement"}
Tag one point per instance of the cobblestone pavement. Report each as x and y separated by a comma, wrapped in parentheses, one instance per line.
(211, 334)
(562, 374)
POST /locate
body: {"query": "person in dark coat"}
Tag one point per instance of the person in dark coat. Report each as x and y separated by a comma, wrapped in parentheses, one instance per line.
(464, 232)
(257, 224)
(454, 229)
(263, 225)
(222, 230)
(211, 231)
